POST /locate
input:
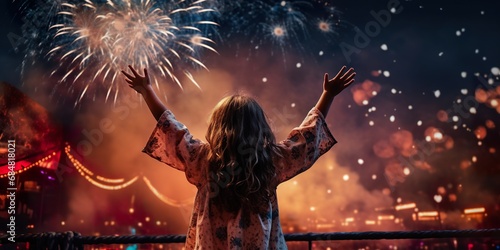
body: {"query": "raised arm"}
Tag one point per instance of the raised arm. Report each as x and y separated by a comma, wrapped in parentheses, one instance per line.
(142, 85)
(333, 87)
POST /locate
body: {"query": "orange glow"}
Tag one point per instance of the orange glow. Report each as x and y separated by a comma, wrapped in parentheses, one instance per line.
(370, 222)
(359, 97)
(452, 197)
(423, 165)
(405, 206)
(385, 217)
(395, 173)
(490, 124)
(442, 116)
(449, 143)
(375, 73)
(480, 132)
(383, 149)
(441, 190)
(474, 210)
(428, 214)
(465, 164)
(433, 134)
(481, 95)
(362, 93)
(324, 226)
(402, 140)
(409, 151)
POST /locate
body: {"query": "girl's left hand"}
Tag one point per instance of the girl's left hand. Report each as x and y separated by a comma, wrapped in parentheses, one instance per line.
(339, 82)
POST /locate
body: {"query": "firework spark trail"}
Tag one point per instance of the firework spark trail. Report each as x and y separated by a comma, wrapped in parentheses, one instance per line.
(92, 41)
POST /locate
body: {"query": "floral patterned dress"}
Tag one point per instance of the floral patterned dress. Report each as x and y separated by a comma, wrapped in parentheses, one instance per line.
(210, 228)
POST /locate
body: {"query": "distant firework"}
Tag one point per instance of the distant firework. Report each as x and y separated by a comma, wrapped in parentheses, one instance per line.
(283, 24)
(92, 41)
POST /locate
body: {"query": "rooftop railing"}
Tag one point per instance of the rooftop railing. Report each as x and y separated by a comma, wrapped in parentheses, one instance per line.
(75, 241)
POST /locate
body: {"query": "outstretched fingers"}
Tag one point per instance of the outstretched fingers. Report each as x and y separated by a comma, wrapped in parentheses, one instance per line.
(127, 75)
(350, 77)
(347, 74)
(348, 83)
(340, 72)
(133, 71)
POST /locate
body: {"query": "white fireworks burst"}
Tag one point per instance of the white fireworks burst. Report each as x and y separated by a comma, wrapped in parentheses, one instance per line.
(94, 42)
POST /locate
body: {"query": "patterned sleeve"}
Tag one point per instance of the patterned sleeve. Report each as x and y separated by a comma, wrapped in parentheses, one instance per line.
(303, 146)
(172, 144)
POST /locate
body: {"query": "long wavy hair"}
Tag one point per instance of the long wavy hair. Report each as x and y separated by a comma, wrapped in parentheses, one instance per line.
(240, 157)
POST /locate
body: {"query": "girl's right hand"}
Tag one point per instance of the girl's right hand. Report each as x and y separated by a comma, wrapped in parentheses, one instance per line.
(137, 82)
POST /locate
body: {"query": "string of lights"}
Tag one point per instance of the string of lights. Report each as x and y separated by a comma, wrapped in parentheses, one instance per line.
(96, 180)
(45, 162)
(81, 169)
(108, 187)
(163, 198)
(87, 174)
(110, 180)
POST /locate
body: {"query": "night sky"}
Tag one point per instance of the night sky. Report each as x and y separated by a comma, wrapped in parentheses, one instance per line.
(421, 119)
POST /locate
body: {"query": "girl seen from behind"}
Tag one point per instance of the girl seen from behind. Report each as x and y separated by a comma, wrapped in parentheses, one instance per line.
(238, 168)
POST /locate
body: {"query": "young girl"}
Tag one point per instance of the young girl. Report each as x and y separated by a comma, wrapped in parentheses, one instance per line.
(240, 166)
